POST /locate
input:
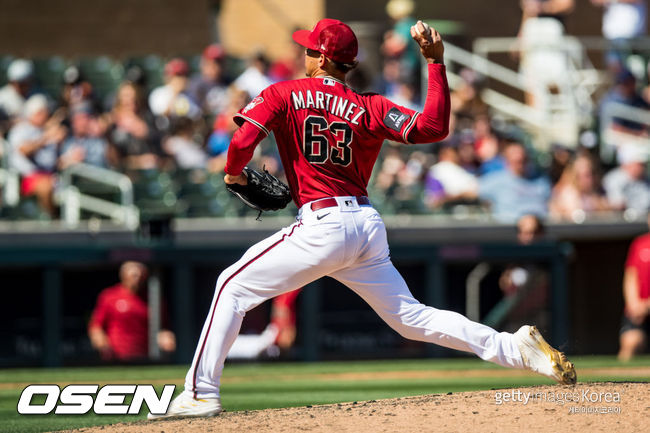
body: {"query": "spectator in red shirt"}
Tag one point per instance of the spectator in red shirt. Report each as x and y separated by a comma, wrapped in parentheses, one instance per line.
(636, 292)
(119, 326)
(283, 318)
(279, 335)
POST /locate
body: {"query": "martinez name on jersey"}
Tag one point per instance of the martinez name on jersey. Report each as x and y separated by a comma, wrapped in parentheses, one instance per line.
(334, 104)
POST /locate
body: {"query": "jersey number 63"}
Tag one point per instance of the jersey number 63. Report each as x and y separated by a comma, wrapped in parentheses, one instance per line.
(316, 147)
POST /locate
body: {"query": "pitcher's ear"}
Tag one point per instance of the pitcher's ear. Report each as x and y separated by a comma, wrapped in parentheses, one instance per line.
(322, 60)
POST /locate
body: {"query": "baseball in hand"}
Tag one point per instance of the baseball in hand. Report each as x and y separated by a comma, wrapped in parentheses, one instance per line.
(429, 40)
(424, 29)
(421, 32)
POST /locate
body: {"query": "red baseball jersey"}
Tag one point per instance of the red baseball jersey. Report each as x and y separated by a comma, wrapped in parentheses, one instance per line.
(638, 257)
(328, 135)
(124, 316)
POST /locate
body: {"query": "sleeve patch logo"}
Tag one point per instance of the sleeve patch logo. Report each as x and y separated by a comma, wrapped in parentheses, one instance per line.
(395, 119)
(255, 102)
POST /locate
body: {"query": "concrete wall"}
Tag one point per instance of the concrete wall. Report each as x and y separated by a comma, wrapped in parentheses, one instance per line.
(114, 27)
(169, 27)
(478, 17)
(250, 25)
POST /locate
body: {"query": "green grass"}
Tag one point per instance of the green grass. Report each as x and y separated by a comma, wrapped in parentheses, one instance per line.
(275, 385)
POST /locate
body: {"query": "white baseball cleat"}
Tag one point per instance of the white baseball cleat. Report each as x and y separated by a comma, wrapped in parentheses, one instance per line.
(541, 358)
(186, 405)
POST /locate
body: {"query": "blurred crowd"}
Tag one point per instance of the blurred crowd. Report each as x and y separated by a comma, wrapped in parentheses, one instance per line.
(184, 124)
(486, 166)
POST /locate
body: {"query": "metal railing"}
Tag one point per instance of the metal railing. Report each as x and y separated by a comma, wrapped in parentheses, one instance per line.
(9, 178)
(72, 200)
(502, 103)
(559, 113)
(531, 118)
(612, 138)
(585, 82)
(582, 73)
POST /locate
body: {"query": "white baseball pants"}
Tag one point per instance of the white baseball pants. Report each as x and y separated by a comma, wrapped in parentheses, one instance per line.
(346, 242)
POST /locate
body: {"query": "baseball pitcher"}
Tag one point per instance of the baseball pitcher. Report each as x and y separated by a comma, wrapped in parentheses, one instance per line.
(329, 137)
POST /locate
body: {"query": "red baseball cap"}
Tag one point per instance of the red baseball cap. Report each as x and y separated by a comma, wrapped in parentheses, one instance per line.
(177, 67)
(330, 37)
(213, 52)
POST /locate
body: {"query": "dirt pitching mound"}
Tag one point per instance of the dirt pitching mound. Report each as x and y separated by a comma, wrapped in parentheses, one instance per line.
(594, 407)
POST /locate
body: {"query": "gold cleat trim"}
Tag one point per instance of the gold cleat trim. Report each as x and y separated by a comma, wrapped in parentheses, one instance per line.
(564, 369)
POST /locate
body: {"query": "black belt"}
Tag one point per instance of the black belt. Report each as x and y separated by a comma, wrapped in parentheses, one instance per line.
(330, 202)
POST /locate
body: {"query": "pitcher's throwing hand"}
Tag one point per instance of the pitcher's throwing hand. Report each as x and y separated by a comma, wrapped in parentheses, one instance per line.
(430, 42)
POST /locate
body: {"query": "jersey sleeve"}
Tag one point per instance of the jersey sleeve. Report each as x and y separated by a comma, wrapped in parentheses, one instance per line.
(263, 111)
(391, 121)
(402, 124)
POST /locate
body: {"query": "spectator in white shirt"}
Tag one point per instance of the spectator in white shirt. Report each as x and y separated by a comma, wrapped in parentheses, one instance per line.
(457, 183)
(627, 186)
(172, 99)
(622, 20)
(254, 79)
(19, 87)
(35, 150)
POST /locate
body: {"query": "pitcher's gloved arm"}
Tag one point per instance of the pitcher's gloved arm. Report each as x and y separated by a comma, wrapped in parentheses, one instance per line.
(242, 146)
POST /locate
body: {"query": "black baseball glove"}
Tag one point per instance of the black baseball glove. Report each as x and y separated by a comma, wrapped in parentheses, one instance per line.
(263, 192)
